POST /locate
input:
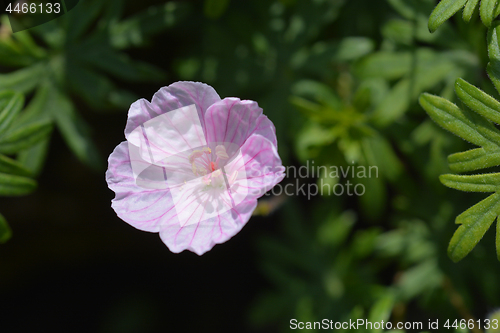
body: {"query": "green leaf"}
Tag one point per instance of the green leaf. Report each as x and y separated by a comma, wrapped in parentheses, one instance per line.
(93, 87)
(34, 157)
(498, 240)
(475, 221)
(474, 159)
(122, 67)
(81, 17)
(10, 105)
(388, 65)
(136, 30)
(462, 123)
(477, 100)
(469, 10)
(378, 151)
(13, 167)
(5, 231)
(351, 48)
(443, 11)
(381, 310)
(11, 185)
(215, 8)
(493, 42)
(24, 137)
(23, 80)
(74, 129)
(394, 105)
(488, 182)
(487, 11)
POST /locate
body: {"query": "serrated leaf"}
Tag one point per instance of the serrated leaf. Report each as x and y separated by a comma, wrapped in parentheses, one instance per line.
(462, 123)
(5, 231)
(10, 105)
(474, 159)
(443, 11)
(24, 137)
(477, 100)
(487, 11)
(13, 167)
(469, 10)
(475, 221)
(487, 182)
(11, 185)
(493, 42)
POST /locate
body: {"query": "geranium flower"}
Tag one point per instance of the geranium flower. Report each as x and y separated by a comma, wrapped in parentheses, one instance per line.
(193, 166)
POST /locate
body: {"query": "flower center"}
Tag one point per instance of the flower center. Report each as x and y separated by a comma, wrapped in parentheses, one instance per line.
(203, 166)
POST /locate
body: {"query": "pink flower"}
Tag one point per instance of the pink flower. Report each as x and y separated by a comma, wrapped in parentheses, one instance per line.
(193, 166)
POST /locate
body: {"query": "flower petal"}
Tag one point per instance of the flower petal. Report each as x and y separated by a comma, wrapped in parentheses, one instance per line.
(233, 121)
(170, 98)
(261, 168)
(142, 208)
(201, 237)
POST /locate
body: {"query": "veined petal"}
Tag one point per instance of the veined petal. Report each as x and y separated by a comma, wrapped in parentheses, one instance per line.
(201, 237)
(173, 97)
(261, 168)
(232, 120)
(142, 208)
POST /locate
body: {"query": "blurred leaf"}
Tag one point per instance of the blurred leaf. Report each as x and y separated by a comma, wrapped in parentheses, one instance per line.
(215, 8)
(10, 105)
(388, 65)
(443, 11)
(121, 66)
(381, 310)
(335, 229)
(24, 137)
(13, 167)
(11, 185)
(378, 152)
(136, 30)
(23, 80)
(74, 129)
(92, 86)
(351, 48)
(33, 158)
(79, 19)
(419, 278)
(5, 231)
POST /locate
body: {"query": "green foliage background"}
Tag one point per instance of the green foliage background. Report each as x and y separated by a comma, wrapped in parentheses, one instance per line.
(347, 83)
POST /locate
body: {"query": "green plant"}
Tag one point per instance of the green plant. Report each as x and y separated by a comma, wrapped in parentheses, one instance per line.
(18, 131)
